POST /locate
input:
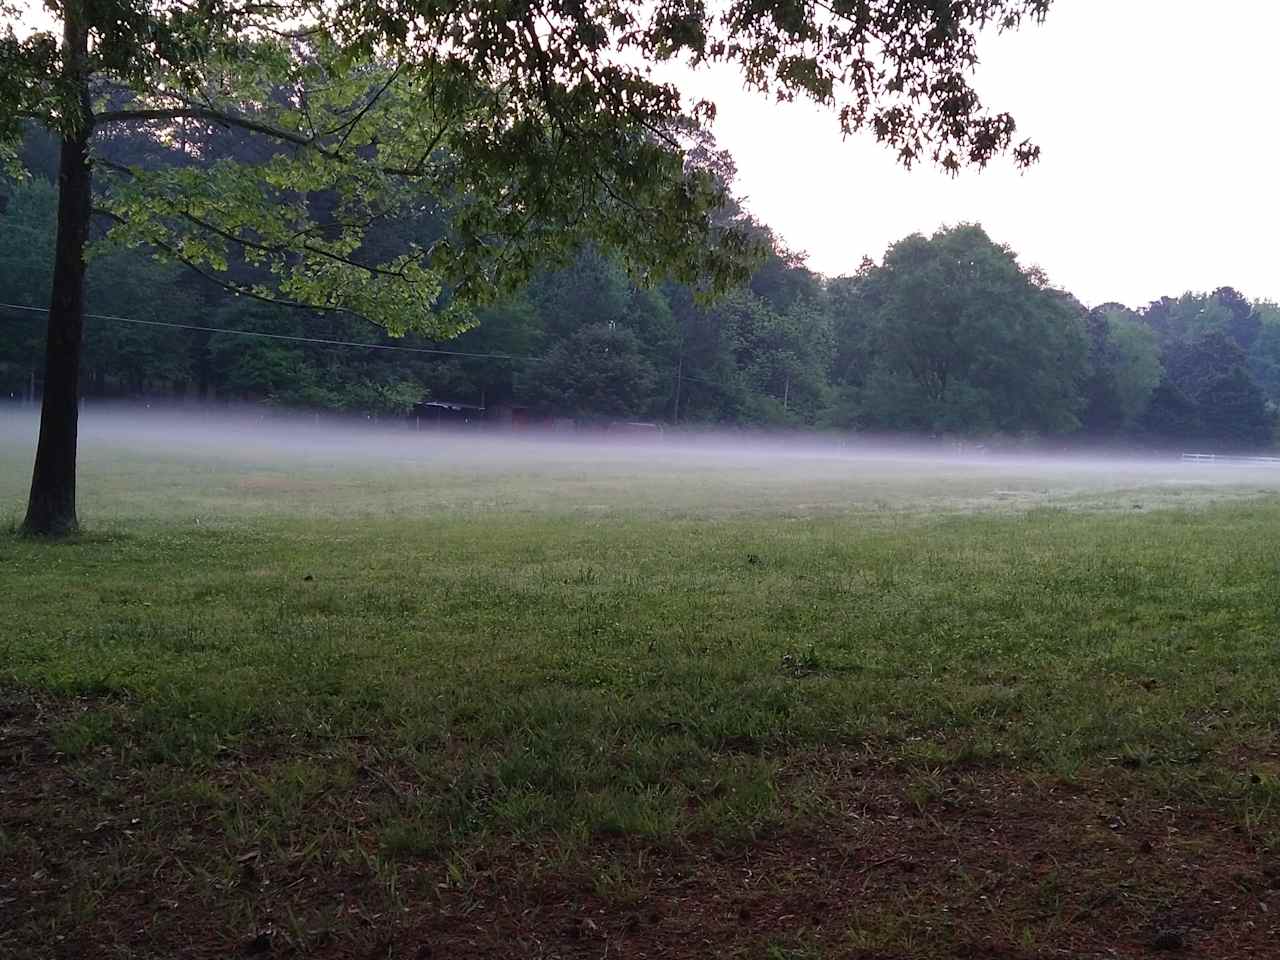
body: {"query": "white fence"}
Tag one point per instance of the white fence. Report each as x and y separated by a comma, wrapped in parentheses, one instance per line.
(1225, 458)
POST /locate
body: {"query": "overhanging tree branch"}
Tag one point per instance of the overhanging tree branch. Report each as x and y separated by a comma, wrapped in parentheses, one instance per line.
(224, 118)
(282, 249)
(230, 287)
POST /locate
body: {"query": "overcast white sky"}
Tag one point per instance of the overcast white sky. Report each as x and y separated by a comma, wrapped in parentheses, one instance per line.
(1159, 122)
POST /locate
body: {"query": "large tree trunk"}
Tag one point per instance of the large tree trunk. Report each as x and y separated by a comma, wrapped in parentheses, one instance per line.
(51, 509)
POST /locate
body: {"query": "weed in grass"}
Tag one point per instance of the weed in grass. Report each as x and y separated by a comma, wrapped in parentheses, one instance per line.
(802, 663)
(84, 733)
(412, 837)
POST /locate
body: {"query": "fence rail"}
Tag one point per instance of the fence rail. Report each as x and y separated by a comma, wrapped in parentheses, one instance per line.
(1228, 459)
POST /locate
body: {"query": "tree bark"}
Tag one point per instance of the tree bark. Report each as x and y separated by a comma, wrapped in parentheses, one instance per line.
(51, 509)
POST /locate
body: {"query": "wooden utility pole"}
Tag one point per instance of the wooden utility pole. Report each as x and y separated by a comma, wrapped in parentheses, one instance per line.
(675, 415)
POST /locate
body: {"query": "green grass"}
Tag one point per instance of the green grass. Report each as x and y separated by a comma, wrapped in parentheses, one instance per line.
(1049, 638)
(358, 667)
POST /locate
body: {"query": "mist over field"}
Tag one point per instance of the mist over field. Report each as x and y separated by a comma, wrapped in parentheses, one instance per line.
(158, 462)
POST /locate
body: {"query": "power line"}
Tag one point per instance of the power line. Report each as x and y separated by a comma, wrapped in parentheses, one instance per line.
(282, 336)
(321, 340)
(710, 383)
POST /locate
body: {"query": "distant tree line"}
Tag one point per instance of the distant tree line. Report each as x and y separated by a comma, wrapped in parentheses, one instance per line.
(947, 336)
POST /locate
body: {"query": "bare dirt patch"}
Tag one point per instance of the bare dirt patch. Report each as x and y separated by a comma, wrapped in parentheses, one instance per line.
(874, 861)
(993, 864)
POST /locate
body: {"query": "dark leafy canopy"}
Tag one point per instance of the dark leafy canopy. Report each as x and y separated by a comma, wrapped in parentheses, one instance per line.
(530, 124)
(786, 348)
(598, 371)
(899, 67)
(1264, 355)
(131, 359)
(1124, 368)
(1212, 347)
(958, 335)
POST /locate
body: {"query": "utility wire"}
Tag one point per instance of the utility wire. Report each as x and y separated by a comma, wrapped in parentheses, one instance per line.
(319, 340)
(282, 336)
(714, 384)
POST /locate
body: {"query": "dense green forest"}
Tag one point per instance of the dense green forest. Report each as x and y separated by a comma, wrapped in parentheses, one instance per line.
(947, 335)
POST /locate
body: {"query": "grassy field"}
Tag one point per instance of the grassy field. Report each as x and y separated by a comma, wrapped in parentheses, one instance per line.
(405, 696)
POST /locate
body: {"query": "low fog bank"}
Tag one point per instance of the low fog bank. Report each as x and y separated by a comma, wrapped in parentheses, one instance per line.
(253, 434)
